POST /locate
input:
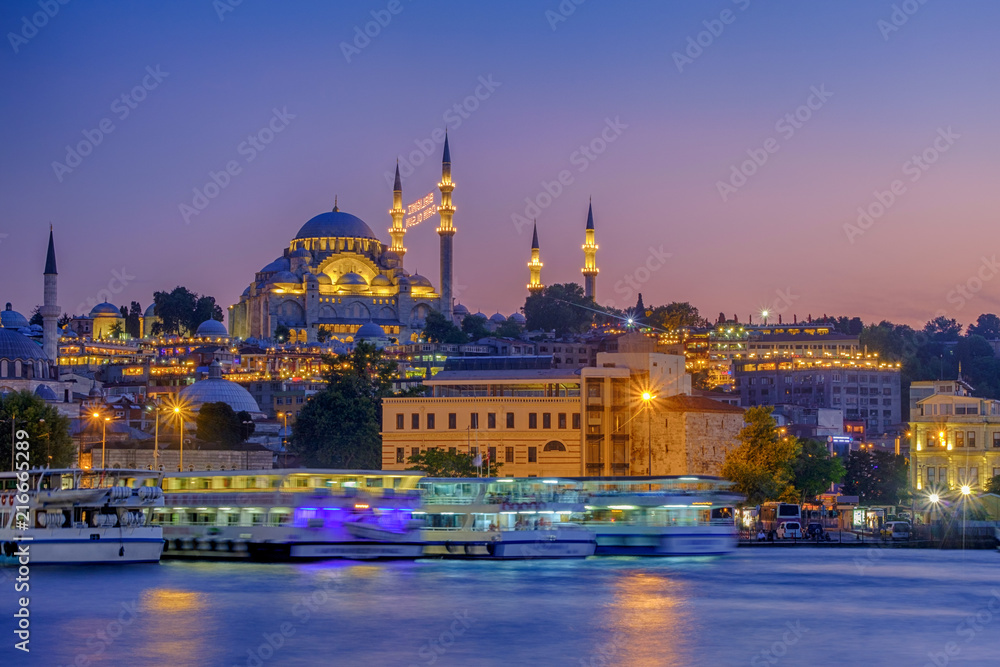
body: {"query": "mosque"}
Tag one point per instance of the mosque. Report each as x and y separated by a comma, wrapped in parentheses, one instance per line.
(336, 276)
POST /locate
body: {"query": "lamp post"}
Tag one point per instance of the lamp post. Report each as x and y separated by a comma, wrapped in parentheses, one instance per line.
(966, 490)
(104, 437)
(647, 398)
(180, 436)
(284, 439)
(246, 445)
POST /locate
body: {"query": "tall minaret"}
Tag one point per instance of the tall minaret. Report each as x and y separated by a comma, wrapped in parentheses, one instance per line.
(50, 309)
(447, 232)
(535, 265)
(397, 231)
(590, 258)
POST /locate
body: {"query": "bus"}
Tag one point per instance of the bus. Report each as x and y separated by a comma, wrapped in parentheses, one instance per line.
(773, 514)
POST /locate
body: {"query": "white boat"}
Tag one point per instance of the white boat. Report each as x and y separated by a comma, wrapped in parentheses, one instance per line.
(502, 518)
(288, 515)
(659, 516)
(79, 517)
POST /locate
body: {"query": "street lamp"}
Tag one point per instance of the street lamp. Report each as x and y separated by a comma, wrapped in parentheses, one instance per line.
(246, 445)
(104, 436)
(647, 398)
(284, 439)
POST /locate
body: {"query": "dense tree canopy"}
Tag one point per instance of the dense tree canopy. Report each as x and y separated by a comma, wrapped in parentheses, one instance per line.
(440, 463)
(38, 424)
(877, 478)
(474, 327)
(439, 329)
(815, 470)
(562, 308)
(181, 311)
(676, 315)
(218, 422)
(761, 466)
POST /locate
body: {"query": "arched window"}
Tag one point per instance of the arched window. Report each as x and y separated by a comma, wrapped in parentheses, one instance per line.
(554, 446)
(3, 368)
(17, 368)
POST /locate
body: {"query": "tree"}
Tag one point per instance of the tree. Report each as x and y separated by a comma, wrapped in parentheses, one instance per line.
(987, 326)
(509, 329)
(439, 329)
(64, 320)
(282, 333)
(560, 307)
(38, 424)
(474, 327)
(761, 465)
(117, 330)
(218, 422)
(340, 426)
(133, 323)
(877, 478)
(994, 485)
(181, 311)
(440, 463)
(36, 316)
(247, 425)
(943, 329)
(815, 470)
(676, 315)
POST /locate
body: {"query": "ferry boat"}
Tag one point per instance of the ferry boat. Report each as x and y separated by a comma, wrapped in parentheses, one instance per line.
(503, 518)
(281, 515)
(659, 516)
(81, 517)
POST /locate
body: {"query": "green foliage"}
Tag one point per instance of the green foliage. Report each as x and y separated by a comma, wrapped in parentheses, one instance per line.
(439, 329)
(117, 330)
(877, 478)
(815, 470)
(181, 311)
(281, 333)
(987, 326)
(48, 438)
(218, 422)
(440, 463)
(64, 320)
(340, 426)
(474, 328)
(993, 486)
(676, 315)
(559, 307)
(132, 320)
(761, 466)
(36, 316)
(509, 329)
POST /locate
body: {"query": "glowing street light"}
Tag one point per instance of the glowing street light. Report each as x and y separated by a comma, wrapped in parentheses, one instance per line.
(934, 498)
(647, 399)
(966, 490)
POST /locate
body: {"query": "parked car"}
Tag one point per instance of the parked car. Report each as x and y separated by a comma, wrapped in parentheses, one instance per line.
(896, 530)
(790, 530)
(814, 530)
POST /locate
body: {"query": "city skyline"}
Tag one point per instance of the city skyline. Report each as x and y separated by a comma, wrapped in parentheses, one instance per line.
(700, 160)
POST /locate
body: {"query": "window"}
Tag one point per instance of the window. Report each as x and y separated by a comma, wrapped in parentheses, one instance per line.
(961, 476)
(554, 446)
(532, 454)
(510, 420)
(509, 455)
(400, 455)
(930, 477)
(546, 420)
(452, 420)
(491, 420)
(959, 439)
(493, 454)
(277, 401)
(399, 422)
(576, 420)
(973, 477)
(533, 420)
(415, 451)
(972, 438)
(996, 439)
(430, 420)
(943, 476)
(474, 420)
(415, 420)
(562, 420)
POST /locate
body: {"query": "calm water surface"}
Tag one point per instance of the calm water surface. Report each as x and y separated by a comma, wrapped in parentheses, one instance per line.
(759, 607)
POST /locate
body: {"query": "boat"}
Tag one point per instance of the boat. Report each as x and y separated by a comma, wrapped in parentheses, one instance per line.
(659, 516)
(503, 518)
(74, 516)
(290, 515)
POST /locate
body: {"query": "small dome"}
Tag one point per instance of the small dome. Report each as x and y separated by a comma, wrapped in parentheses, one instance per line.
(284, 277)
(246, 292)
(402, 280)
(460, 310)
(519, 318)
(335, 224)
(219, 390)
(301, 252)
(497, 318)
(381, 281)
(351, 278)
(14, 346)
(212, 329)
(311, 279)
(340, 350)
(369, 330)
(105, 309)
(280, 264)
(151, 310)
(45, 393)
(418, 280)
(11, 319)
(324, 279)
(481, 315)
(391, 256)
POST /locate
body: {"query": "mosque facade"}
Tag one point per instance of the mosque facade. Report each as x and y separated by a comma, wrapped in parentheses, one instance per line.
(335, 276)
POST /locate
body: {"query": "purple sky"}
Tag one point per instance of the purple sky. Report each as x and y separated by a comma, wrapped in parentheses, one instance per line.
(778, 240)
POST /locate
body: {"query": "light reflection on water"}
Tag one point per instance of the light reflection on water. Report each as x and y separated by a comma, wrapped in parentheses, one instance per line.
(850, 608)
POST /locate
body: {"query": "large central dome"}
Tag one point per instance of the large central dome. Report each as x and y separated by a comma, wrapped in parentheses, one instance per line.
(335, 224)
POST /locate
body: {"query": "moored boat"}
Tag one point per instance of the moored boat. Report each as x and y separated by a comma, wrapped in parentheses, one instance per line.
(79, 517)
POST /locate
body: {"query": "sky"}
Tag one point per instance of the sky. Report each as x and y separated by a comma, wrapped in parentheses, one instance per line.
(807, 158)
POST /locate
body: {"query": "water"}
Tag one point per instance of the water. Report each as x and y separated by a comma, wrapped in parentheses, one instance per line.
(801, 606)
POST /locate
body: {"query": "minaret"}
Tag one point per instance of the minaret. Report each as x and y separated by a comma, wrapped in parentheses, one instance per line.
(590, 258)
(397, 231)
(535, 266)
(50, 309)
(447, 232)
